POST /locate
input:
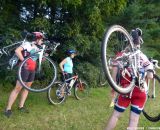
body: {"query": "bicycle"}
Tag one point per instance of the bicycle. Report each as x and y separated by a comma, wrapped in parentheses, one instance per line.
(7, 56)
(117, 40)
(58, 93)
(45, 72)
(151, 103)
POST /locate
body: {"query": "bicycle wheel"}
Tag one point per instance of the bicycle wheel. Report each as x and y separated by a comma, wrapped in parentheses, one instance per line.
(151, 110)
(116, 40)
(45, 73)
(56, 94)
(81, 90)
(102, 78)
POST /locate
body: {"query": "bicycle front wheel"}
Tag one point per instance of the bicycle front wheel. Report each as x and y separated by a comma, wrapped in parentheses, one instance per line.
(151, 110)
(56, 94)
(81, 90)
(102, 79)
(116, 40)
(42, 73)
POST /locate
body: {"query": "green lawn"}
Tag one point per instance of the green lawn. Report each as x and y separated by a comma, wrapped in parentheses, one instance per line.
(89, 114)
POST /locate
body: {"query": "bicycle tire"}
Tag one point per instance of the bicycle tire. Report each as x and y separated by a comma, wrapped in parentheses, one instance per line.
(149, 112)
(81, 90)
(44, 79)
(55, 95)
(102, 78)
(121, 39)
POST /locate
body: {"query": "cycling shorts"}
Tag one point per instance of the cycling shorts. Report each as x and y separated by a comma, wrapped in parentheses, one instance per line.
(30, 65)
(137, 101)
(27, 76)
(66, 76)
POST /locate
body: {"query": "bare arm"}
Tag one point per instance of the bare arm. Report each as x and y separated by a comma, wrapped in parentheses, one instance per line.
(18, 52)
(62, 63)
(114, 73)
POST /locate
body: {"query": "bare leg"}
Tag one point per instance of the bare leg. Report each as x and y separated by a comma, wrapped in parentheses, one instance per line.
(113, 120)
(13, 95)
(133, 121)
(113, 95)
(24, 95)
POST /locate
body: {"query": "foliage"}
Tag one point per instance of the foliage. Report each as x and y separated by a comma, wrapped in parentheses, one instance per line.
(88, 72)
(80, 24)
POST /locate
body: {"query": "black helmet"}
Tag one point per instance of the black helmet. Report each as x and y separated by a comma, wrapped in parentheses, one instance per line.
(136, 36)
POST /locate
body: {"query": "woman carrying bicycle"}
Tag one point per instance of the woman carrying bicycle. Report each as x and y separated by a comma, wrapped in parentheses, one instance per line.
(28, 73)
(137, 97)
(66, 65)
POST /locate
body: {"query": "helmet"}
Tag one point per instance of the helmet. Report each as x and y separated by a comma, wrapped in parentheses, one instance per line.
(69, 52)
(136, 36)
(38, 35)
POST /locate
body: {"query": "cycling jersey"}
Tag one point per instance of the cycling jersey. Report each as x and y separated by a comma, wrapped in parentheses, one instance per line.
(137, 97)
(29, 48)
(68, 66)
(125, 74)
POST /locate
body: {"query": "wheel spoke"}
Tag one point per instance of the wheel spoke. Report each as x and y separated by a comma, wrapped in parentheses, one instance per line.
(42, 78)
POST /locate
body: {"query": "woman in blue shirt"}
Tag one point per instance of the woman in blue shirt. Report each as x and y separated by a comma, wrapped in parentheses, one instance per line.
(66, 65)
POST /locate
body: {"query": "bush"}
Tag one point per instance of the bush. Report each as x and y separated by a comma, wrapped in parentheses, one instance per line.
(88, 72)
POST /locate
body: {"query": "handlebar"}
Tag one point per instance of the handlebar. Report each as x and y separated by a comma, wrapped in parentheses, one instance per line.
(51, 46)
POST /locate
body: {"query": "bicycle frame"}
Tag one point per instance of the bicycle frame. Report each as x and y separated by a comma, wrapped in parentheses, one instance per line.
(135, 64)
(4, 50)
(41, 52)
(11, 60)
(75, 78)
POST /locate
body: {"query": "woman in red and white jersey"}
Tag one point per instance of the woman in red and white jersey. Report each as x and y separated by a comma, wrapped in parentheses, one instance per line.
(137, 98)
(28, 72)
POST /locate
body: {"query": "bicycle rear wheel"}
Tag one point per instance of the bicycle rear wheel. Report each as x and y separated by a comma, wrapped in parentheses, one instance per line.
(81, 90)
(116, 40)
(151, 110)
(56, 94)
(45, 73)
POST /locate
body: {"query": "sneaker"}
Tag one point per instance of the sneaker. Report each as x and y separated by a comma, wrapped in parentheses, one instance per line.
(8, 113)
(112, 104)
(23, 109)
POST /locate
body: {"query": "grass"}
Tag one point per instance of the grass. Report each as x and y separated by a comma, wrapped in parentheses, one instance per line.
(89, 114)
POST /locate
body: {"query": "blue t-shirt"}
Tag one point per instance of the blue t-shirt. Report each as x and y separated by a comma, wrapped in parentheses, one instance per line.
(68, 66)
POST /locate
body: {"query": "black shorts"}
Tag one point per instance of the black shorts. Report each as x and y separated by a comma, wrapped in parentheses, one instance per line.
(66, 76)
(27, 76)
